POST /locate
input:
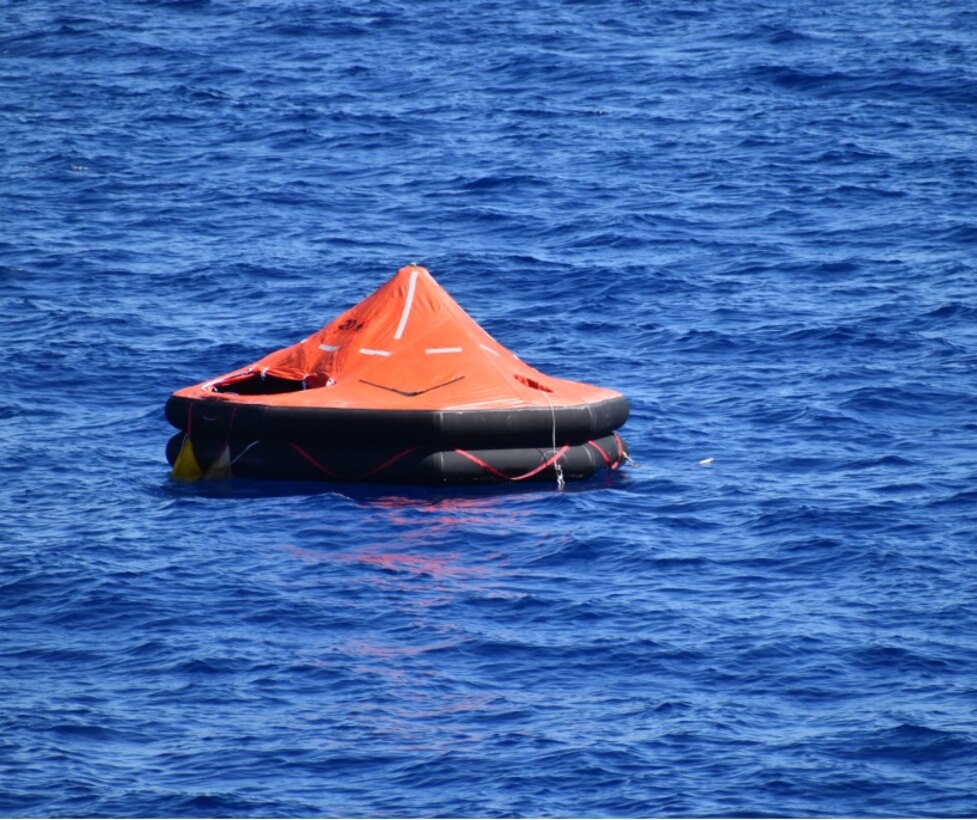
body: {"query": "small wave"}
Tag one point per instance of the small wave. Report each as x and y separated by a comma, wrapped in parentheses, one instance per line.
(896, 84)
(514, 182)
(957, 311)
(786, 37)
(908, 742)
(875, 462)
(961, 233)
(964, 499)
(908, 401)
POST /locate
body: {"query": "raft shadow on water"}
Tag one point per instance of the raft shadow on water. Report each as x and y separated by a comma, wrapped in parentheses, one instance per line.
(242, 488)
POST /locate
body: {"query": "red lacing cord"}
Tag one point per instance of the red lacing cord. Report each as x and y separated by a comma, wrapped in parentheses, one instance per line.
(489, 468)
(621, 454)
(613, 465)
(367, 474)
(603, 455)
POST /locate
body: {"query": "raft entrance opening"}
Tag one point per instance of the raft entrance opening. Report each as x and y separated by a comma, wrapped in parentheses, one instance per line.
(258, 385)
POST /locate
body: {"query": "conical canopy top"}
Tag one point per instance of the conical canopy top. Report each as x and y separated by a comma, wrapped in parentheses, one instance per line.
(407, 346)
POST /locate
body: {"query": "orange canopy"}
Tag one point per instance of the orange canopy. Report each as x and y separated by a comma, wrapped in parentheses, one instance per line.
(408, 346)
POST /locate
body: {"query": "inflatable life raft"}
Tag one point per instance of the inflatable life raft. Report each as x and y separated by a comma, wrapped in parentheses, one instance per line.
(404, 387)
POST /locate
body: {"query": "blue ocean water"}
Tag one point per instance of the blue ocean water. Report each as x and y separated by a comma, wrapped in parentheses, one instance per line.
(756, 219)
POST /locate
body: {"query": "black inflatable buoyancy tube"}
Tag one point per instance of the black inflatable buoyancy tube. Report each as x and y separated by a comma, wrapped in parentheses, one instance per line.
(442, 429)
(415, 465)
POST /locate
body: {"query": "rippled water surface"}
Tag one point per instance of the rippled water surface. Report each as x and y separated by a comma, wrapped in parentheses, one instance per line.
(755, 219)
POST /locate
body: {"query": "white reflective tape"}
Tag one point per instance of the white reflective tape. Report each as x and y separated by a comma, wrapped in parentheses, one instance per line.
(430, 350)
(329, 348)
(489, 349)
(407, 305)
(368, 352)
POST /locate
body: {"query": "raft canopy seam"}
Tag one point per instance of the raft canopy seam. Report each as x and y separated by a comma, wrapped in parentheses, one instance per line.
(411, 393)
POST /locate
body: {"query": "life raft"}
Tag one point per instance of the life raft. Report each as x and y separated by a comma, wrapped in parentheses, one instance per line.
(404, 387)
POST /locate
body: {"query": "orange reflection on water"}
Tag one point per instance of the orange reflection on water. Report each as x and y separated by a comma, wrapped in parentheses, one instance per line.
(447, 514)
(439, 567)
(386, 651)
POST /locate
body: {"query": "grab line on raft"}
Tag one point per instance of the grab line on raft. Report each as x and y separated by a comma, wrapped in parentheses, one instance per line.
(557, 468)
(238, 456)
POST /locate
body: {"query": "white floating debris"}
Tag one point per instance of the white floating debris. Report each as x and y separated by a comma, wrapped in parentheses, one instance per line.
(706, 461)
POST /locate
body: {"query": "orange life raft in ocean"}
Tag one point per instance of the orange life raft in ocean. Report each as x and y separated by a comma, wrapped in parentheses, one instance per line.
(404, 387)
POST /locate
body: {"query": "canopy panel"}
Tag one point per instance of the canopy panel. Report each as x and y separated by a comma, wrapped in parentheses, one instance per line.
(407, 346)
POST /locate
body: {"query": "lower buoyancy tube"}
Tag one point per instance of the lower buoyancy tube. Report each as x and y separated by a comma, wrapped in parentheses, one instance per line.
(316, 461)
